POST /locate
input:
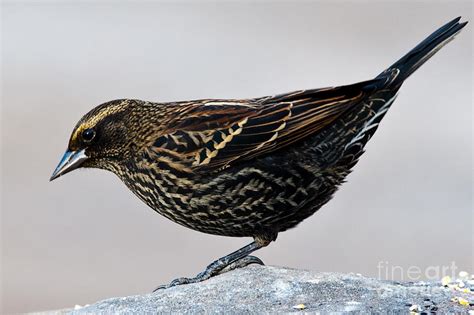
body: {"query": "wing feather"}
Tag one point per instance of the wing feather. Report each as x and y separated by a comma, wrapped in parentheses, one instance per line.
(214, 134)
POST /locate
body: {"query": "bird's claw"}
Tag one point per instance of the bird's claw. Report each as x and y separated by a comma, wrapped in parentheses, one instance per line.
(175, 282)
(211, 270)
(241, 263)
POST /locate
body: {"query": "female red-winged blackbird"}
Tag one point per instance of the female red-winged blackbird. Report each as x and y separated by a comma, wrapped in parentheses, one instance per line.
(252, 167)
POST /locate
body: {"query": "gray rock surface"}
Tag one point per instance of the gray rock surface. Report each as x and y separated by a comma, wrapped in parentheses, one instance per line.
(265, 289)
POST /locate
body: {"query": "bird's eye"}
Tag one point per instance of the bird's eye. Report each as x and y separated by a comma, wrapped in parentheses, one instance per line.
(88, 135)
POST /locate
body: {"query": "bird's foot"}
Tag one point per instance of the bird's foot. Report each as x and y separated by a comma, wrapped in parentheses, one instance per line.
(178, 281)
(217, 267)
(244, 262)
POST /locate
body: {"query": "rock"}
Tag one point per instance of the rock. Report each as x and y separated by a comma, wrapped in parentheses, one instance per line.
(265, 289)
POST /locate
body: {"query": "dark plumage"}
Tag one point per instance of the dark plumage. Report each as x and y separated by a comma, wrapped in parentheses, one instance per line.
(252, 167)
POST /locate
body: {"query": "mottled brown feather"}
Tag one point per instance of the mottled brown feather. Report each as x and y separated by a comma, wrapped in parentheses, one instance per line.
(224, 132)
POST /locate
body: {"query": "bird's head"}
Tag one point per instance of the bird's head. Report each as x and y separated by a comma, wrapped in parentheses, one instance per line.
(101, 138)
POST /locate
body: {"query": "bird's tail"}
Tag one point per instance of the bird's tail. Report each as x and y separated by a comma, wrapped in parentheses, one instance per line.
(408, 64)
(364, 122)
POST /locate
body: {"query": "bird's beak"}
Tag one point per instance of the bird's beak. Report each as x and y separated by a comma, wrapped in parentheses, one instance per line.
(70, 161)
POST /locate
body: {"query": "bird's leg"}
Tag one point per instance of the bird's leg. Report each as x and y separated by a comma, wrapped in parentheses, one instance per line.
(238, 259)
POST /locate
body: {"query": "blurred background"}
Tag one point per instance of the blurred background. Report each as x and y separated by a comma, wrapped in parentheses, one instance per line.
(85, 237)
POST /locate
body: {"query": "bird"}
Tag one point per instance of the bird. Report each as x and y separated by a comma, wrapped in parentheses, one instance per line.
(242, 167)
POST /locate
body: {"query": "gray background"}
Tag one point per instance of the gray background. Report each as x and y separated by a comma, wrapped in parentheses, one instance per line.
(85, 237)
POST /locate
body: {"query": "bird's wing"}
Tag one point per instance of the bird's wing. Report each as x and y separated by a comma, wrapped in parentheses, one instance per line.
(216, 134)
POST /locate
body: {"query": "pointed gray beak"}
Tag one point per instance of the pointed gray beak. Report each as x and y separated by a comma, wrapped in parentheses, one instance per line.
(70, 161)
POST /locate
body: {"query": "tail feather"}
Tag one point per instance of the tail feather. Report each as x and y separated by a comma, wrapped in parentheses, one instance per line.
(386, 85)
(423, 51)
